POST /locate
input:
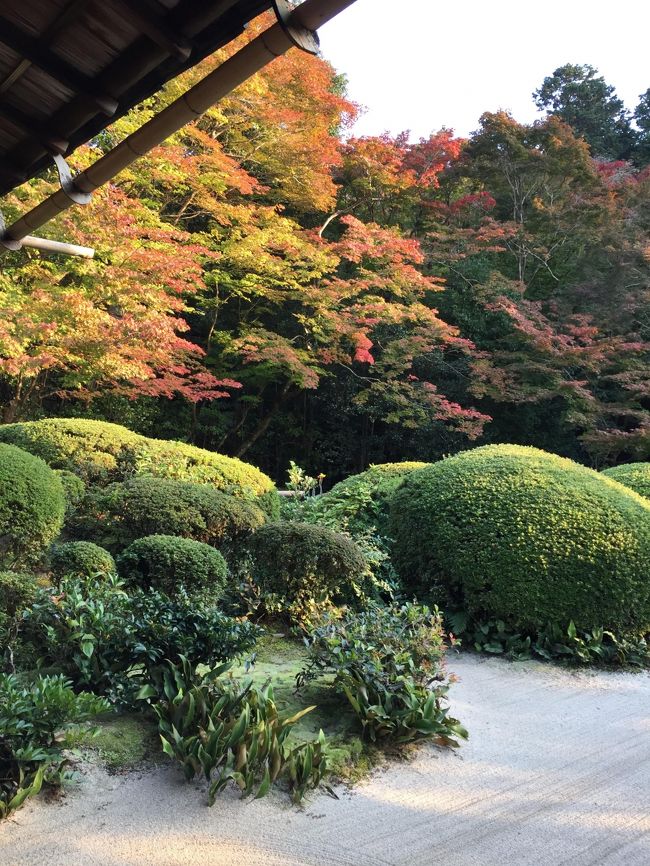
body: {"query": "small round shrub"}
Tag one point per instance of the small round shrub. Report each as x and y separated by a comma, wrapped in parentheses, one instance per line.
(636, 476)
(32, 506)
(17, 591)
(361, 502)
(299, 565)
(101, 453)
(528, 537)
(118, 514)
(73, 489)
(80, 558)
(168, 563)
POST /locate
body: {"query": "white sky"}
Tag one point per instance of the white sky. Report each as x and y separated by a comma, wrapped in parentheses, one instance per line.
(423, 64)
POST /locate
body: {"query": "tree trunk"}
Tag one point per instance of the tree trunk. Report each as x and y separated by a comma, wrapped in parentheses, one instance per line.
(263, 425)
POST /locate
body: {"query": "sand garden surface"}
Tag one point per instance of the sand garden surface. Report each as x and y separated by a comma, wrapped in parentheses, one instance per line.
(556, 771)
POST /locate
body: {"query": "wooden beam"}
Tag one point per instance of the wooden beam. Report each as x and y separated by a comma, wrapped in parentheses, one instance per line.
(40, 55)
(146, 17)
(32, 128)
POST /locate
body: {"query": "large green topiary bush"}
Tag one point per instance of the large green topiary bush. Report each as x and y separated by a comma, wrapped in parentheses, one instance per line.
(168, 563)
(361, 502)
(80, 558)
(298, 566)
(118, 514)
(531, 538)
(636, 476)
(100, 453)
(32, 506)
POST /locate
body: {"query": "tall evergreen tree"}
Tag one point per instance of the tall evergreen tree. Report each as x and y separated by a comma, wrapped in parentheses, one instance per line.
(583, 99)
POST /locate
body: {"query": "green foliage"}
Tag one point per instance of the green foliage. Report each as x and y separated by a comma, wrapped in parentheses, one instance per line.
(109, 641)
(80, 558)
(100, 452)
(575, 646)
(170, 564)
(73, 489)
(125, 511)
(32, 506)
(636, 476)
(517, 534)
(33, 718)
(17, 591)
(298, 567)
(361, 502)
(584, 100)
(389, 662)
(231, 731)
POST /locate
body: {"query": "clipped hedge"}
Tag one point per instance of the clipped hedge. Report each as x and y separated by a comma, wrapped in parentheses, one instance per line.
(636, 476)
(118, 514)
(17, 590)
(32, 507)
(80, 558)
(101, 453)
(527, 537)
(362, 502)
(73, 488)
(167, 563)
(298, 566)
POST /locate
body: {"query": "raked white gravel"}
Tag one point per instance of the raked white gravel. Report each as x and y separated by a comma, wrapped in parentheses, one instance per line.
(557, 771)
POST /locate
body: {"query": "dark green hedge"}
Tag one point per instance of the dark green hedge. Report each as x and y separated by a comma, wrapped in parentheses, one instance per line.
(32, 507)
(298, 566)
(168, 563)
(80, 558)
(118, 514)
(528, 537)
(101, 453)
(636, 476)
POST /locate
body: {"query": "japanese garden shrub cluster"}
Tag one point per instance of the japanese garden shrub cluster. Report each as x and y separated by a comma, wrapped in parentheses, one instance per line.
(32, 507)
(100, 452)
(361, 502)
(530, 538)
(168, 563)
(80, 557)
(111, 641)
(636, 476)
(120, 513)
(299, 567)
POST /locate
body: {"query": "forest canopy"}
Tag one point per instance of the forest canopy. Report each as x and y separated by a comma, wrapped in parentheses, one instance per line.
(268, 286)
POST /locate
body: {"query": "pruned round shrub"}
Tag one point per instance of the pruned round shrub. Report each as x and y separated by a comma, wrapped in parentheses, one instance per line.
(32, 506)
(299, 565)
(167, 563)
(118, 514)
(636, 476)
(361, 502)
(73, 488)
(528, 537)
(80, 558)
(101, 453)
(17, 590)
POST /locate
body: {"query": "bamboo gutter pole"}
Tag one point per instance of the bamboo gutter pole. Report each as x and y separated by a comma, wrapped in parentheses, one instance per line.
(296, 26)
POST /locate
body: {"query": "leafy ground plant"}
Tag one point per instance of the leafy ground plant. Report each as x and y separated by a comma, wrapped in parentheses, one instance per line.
(389, 662)
(596, 646)
(108, 640)
(228, 730)
(34, 720)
